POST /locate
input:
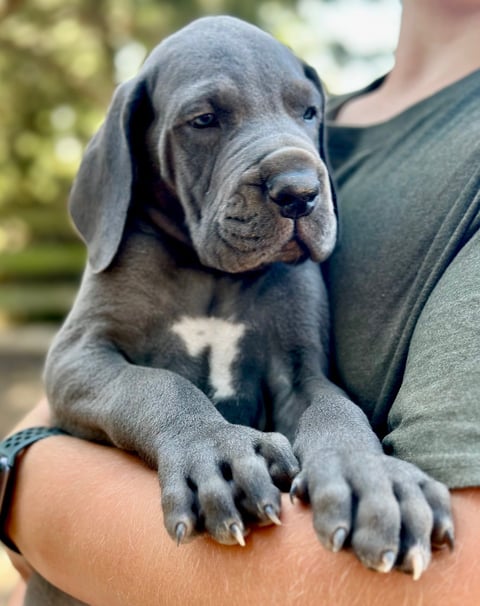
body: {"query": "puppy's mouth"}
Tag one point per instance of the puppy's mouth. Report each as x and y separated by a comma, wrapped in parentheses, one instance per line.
(293, 251)
(252, 242)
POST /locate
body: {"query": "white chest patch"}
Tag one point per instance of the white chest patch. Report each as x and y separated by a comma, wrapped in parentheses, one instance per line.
(222, 338)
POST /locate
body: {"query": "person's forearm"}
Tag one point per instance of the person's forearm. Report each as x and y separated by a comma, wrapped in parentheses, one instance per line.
(88, 518)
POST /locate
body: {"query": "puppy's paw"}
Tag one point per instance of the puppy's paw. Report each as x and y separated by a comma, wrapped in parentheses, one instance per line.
(224, 479)
(387, 510)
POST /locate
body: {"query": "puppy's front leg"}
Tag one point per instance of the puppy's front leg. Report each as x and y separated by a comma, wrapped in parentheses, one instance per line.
(388, 510)
(215, 476)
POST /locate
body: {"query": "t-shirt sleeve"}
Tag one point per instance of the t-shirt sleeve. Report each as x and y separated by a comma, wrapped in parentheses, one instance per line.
(434, 421)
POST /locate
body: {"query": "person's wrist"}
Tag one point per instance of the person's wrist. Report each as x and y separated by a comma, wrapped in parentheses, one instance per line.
(12, 449)
(29, 430)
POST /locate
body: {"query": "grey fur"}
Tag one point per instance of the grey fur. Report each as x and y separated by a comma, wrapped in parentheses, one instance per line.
(217, 223)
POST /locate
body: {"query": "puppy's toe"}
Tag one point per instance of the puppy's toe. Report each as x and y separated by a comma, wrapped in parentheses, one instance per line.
(375, 538)
(219, 512)
(281, 462)
(332, 509)
(180, 511)
(438, 498)
(256, 495)
(299, 488)
(330, 496)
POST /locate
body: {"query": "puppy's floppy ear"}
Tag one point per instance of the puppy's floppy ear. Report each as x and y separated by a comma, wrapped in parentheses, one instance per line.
(102, 191)
(312, 75)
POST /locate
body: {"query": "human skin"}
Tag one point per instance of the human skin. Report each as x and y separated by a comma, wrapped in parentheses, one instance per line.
(106, 522)
(437, 45)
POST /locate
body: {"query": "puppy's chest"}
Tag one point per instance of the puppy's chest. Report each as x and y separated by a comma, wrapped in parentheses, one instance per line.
(216, 339)
(222, 356)
(213, 342)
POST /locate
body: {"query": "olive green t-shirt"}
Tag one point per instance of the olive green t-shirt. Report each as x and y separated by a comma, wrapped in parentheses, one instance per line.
(404, 279)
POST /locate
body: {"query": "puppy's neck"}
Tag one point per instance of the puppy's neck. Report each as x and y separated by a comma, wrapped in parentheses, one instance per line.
(158, 210)
(161, 222)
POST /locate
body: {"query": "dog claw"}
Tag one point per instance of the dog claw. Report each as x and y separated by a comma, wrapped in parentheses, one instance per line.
(293, 492)
(444, 536)
(387, 562)
(416, 560)
(237, 534)
(338, 539)
(180, 532)
(272, 515)
(417, 566)
(449, 539)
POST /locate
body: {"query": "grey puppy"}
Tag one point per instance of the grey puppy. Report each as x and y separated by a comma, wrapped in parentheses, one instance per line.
(199, 337)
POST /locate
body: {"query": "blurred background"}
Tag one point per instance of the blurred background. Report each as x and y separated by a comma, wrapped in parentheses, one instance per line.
(59, 63)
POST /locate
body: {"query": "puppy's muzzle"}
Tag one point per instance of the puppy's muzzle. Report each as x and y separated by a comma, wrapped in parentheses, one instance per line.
(295, 192)
(291, 179)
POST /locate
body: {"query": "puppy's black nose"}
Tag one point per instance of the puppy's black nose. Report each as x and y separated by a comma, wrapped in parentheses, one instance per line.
(295, 193)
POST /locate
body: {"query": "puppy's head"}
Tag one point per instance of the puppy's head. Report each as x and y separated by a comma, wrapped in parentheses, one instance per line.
(221, 134)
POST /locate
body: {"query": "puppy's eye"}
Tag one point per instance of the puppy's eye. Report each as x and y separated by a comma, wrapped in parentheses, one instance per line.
(310, 113)
(204, 121)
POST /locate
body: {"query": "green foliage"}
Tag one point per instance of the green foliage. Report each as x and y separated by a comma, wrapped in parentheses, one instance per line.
(43, 262)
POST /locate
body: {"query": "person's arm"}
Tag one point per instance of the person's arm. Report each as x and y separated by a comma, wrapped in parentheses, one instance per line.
(435, 419)
(88, 518)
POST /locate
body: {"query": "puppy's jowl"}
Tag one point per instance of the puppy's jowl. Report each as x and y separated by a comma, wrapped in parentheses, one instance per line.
(199, 336)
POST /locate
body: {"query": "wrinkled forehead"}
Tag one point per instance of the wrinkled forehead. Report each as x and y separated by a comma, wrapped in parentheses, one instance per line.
(222, 48)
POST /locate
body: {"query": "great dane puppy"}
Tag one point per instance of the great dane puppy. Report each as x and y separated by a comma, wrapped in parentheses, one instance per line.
(199, 337)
